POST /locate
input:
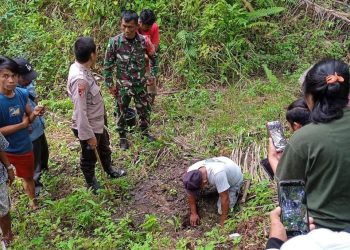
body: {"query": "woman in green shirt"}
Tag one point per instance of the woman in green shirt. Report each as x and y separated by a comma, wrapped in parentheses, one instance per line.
(319, 153)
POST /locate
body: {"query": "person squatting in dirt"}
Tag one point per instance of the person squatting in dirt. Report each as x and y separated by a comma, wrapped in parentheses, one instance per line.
(26, 80)
(88, 121)
(220, 172)
(16, 115)
(127, 53)
(148, 27)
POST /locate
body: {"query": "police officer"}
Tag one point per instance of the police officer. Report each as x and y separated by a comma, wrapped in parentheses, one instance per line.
(127, 52)
(89, 113)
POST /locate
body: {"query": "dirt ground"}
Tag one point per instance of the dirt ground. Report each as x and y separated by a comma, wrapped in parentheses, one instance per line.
(163, 195)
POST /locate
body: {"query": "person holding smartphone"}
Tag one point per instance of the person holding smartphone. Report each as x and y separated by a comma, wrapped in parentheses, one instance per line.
(316, 239)
(319, 153)
(297, 115)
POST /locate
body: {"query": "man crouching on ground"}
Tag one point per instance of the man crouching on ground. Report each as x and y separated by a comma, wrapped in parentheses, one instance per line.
(220, 172)
(89, 113)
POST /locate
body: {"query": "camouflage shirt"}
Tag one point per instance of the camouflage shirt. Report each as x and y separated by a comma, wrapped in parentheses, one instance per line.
(129, 58)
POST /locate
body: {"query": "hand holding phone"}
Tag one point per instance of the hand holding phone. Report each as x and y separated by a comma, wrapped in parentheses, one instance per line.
(275, 131)
(292, 200)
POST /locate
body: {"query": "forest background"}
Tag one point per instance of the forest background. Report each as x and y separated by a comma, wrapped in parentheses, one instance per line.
(226, 67)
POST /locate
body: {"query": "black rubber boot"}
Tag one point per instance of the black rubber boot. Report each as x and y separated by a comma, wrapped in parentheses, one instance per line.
(115, 173)
(123, 143)
(93, 185)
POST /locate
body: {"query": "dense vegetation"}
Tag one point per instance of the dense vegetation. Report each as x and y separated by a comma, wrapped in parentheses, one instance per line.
(233, 65)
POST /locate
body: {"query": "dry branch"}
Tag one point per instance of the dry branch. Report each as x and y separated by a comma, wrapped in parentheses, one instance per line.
(245, 190)
(248, 5)
(325, 12)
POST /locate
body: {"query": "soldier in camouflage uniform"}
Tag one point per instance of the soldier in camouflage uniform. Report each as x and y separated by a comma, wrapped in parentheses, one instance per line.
(127, 52)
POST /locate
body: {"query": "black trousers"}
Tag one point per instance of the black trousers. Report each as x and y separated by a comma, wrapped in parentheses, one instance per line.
(88, 158)
(41, 157)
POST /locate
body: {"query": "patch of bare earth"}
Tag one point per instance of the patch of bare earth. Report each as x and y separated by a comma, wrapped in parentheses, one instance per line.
(254, 233)
(163, 194)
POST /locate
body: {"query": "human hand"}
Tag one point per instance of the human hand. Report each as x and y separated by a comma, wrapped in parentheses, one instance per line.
(194, 220)
(272, 150)
(92, 143)
(11, 176)
(39, 110)
(25, 121)
(277, 229)
(312, 225)
(113, 90)
(273, 156)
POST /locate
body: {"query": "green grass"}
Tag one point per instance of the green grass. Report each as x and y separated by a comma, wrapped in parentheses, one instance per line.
(206, 121)
(227, 89)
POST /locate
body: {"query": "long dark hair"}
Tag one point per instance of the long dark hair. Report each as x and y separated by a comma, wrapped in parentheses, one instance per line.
(329, 98)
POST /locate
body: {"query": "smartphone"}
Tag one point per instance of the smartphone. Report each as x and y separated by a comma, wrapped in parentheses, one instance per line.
(275, 131)
(267, 167)
(292, 200)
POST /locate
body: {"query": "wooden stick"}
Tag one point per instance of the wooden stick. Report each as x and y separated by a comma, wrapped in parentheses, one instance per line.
(104, 175)
(323, 10)
(245, 192)
(248, 5)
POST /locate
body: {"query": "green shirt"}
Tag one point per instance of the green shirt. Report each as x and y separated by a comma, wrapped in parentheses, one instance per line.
(320, 155)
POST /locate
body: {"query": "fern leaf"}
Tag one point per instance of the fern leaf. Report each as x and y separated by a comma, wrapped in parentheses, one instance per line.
(262, 24)
(264, 13)
(269, 74)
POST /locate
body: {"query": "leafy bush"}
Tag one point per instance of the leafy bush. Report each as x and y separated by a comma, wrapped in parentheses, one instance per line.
(213, 41)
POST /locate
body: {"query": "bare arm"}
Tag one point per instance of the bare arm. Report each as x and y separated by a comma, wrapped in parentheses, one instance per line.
(11, 129)
(225, 206)
(194, 218)
(4, 159)
(273, 156)
(6, 162)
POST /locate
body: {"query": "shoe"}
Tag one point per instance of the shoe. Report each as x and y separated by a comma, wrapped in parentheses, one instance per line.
(116, 173)
(94, 186)
(123, 144)
(38, 190)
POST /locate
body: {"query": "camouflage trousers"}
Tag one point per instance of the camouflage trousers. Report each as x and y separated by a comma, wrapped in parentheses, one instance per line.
(142, 103)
